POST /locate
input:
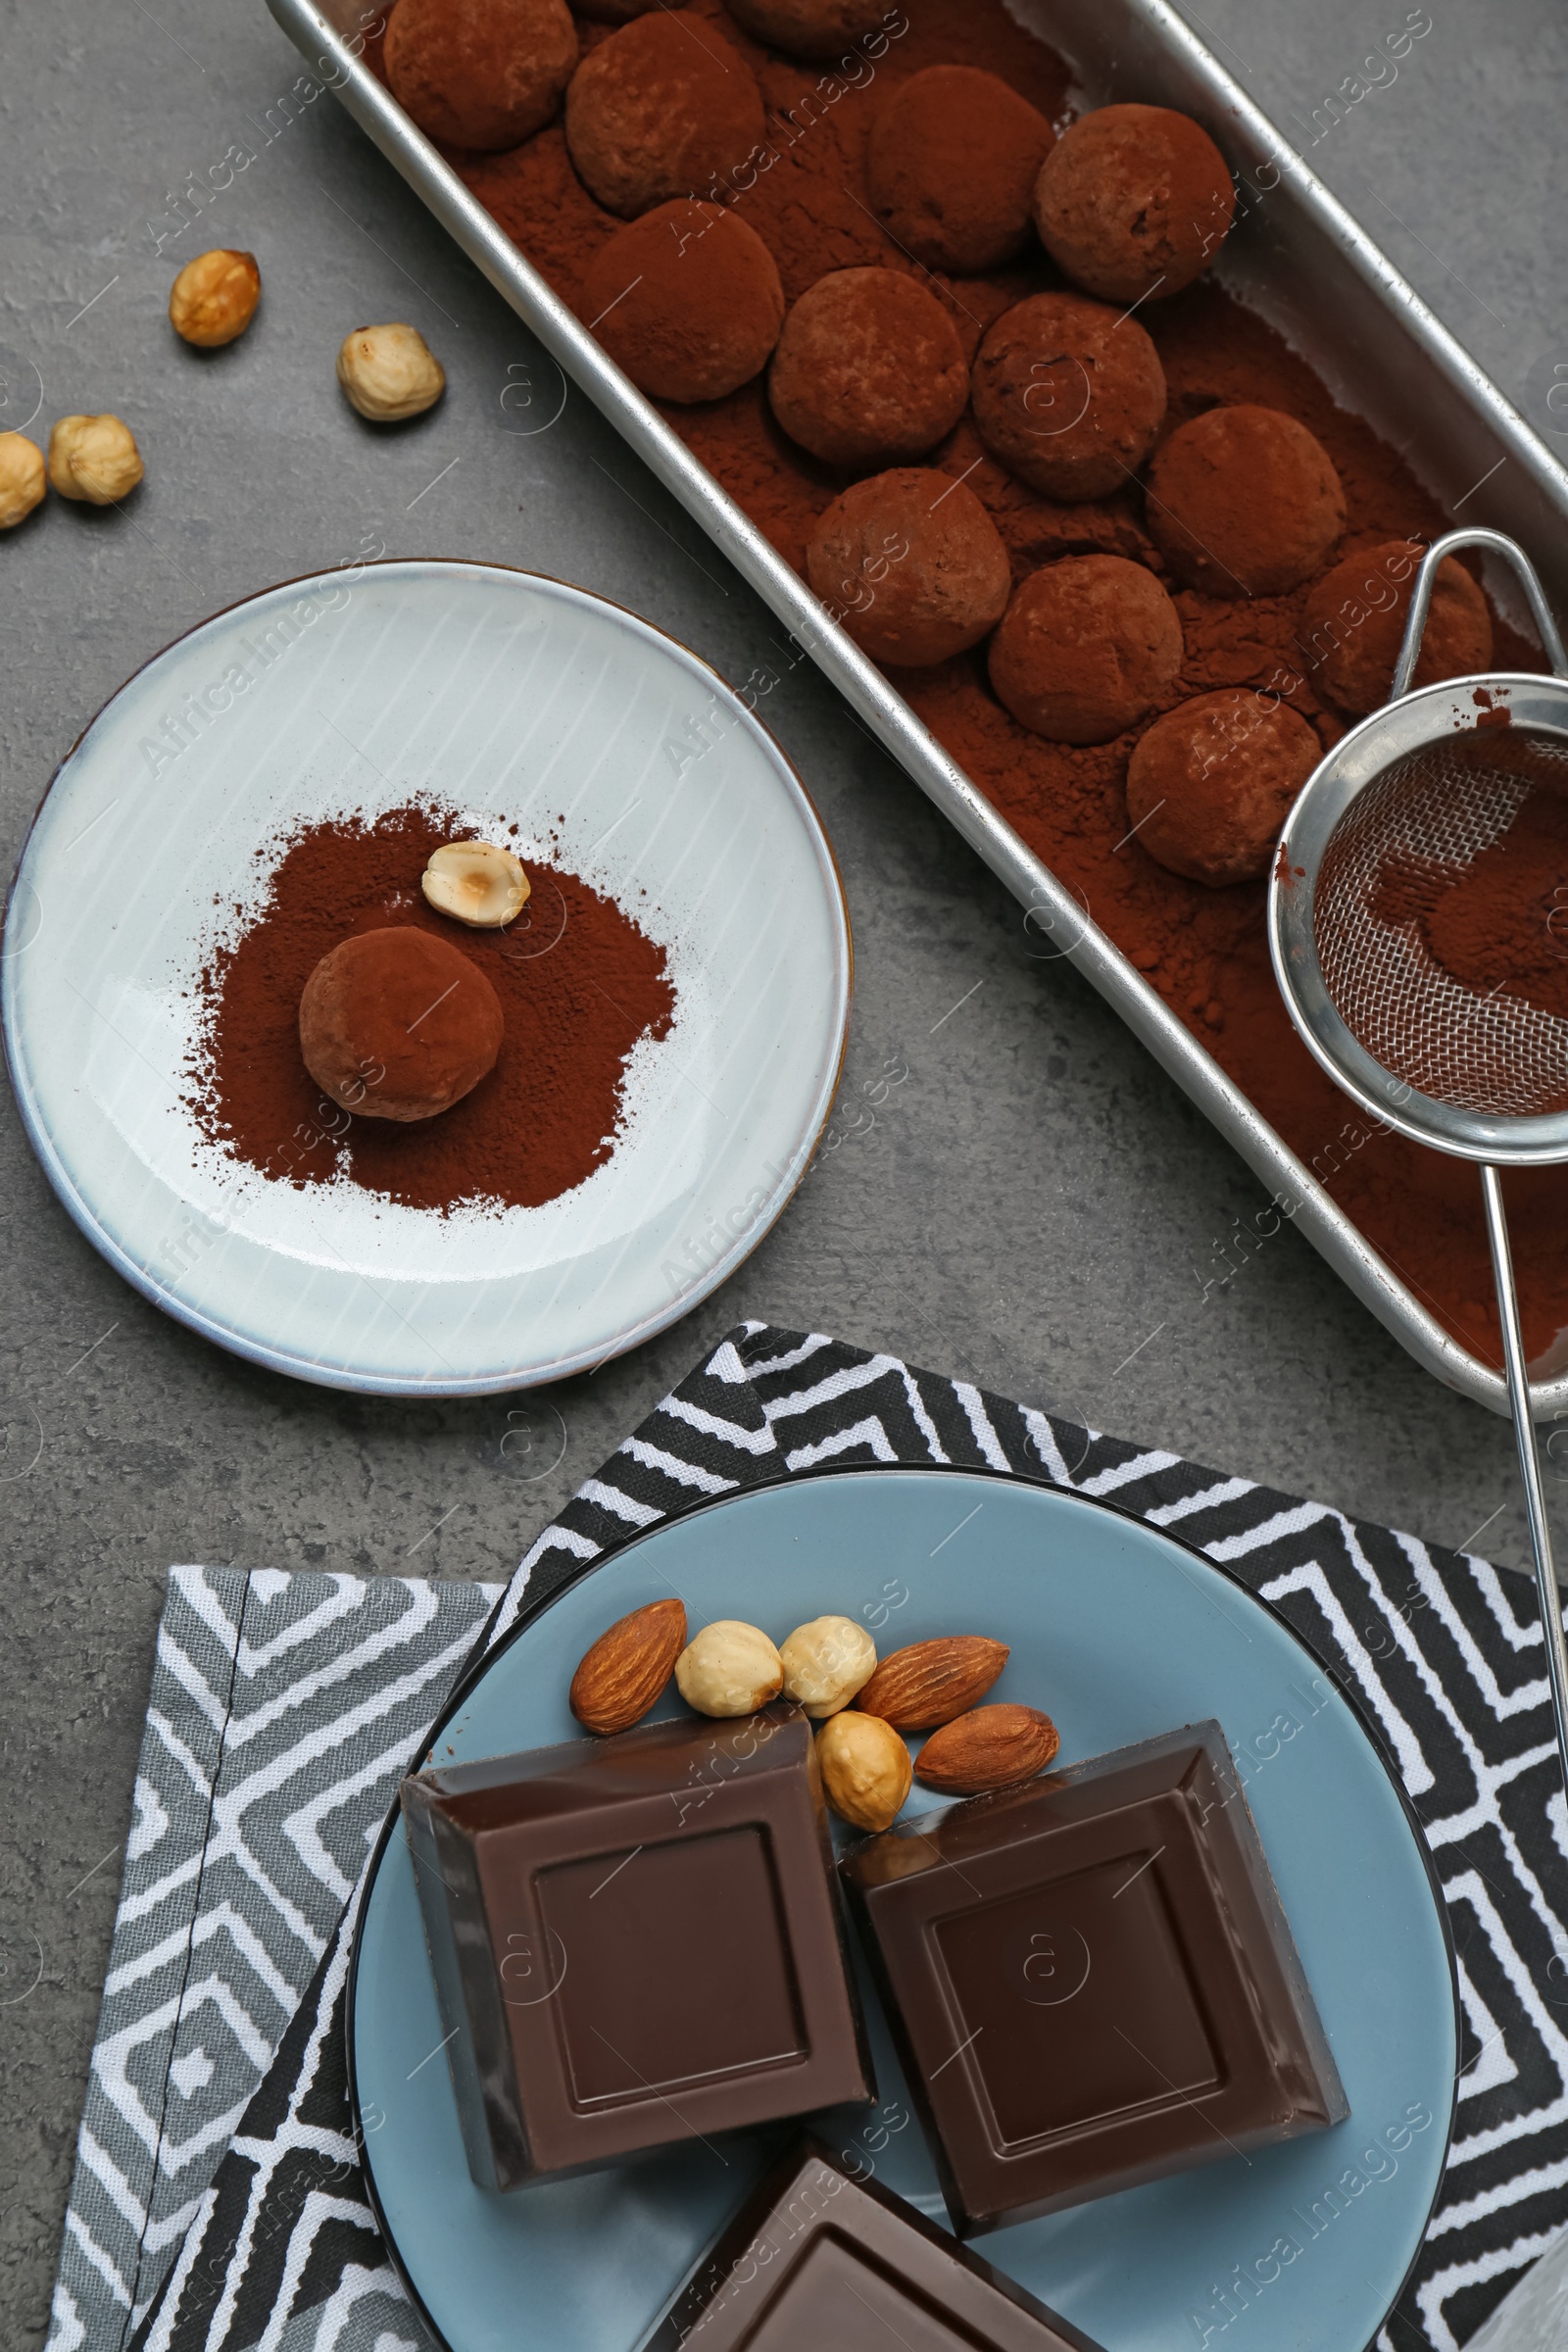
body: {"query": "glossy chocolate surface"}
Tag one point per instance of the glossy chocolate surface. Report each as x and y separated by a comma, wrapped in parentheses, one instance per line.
(635, 1940)
(822, 2259)
(1091, 1980)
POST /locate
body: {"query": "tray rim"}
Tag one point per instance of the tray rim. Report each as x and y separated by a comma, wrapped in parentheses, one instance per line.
(1332, 1233)
(344, 1380)
(529, 1613)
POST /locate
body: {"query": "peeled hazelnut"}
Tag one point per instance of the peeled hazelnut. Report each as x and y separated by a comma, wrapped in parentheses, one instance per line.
(730, 1669)
(22, 478)
(390, 373)
(867, 1769)
(94, 458)
(479, 883)
(826, 1662)
(213, 298)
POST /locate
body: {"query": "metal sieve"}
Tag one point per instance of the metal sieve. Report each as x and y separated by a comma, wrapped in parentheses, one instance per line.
(1390, 823)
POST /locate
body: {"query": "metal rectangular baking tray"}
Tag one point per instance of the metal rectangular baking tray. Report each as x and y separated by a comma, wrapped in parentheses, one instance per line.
(1299, 260)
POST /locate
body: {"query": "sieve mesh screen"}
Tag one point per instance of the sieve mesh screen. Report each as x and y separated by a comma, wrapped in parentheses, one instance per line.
(1405, 840)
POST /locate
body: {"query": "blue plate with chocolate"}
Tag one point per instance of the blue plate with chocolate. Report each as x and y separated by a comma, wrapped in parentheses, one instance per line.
(1114, 2044)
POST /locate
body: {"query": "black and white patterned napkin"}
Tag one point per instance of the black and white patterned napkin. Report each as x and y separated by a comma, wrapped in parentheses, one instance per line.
(1442, 1653)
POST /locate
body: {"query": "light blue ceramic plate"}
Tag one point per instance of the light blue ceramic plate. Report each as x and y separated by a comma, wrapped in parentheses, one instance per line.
(1120, 1632)
(522, 701)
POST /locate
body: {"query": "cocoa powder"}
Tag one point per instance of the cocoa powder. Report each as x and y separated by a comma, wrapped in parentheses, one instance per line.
(579, 984)
(1204, 949)
(1500, 926)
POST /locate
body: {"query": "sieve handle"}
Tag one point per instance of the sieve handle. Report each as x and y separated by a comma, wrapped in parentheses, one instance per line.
(1524, 1430)
(1512, 555)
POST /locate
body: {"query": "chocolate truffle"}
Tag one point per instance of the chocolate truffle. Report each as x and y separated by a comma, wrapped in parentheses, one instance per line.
(868, 369)
(1353, 624)
(808, 28)
(686, 300)
(398, 1025)
(480, 73)
(1210, 786)
(1085, 648)
(912, 564)
(1244, 502)
(615, 12)
(1133, 200)
(1069, 395)
(951, 166)
(664, 108)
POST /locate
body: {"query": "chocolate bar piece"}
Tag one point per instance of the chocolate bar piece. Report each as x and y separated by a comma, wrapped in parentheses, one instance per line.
(1091, 1980)
(824, 2258)
(635, 1939)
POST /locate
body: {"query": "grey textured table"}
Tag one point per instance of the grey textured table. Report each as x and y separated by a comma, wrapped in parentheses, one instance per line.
(1036, 1207)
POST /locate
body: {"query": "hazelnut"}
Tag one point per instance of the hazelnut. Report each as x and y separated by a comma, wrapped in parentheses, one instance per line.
(730, 1669)
(867, 1769)
(478, 882)
(826, 1662)
(22, 478)
(390, 373)
(94, 458)
(213, 298)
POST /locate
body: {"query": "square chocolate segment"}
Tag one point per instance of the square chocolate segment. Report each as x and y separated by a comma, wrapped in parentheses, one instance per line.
(1091, 1980)
(635, 1940)
(820, 2258)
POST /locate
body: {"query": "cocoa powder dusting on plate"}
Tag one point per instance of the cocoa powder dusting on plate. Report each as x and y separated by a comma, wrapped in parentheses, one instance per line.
(1204, 949)
(578, 981)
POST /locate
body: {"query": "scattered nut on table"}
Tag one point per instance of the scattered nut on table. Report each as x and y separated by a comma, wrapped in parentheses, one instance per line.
(390, 373)
(867, 1769)
(94, 458)
(825, 1663)
(478, 882)
(213, 298)
(729, 1669)
(22, 478)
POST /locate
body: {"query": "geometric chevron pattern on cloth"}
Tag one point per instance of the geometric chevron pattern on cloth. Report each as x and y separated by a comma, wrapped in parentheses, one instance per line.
(1442, 1654)
(281, 1714)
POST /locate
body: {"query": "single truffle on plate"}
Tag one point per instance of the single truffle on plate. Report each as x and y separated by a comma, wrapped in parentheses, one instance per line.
(398, 1025)
(951, 166)
(687, 300)
(1086, 647)
(868, 369)
(1069, 395)
(1353, 624)
(484, 74)
(808, 28)
(1244, 502)
(1210, 785)
(664, 108)
(1133, 200)
(912, 564)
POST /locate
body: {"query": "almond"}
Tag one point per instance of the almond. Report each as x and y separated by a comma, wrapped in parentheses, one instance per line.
(991, 1747)
(628, 1667)
(932, 1682)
